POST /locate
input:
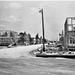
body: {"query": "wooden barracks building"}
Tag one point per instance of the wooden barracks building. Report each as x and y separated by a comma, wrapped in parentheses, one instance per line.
(8, 37)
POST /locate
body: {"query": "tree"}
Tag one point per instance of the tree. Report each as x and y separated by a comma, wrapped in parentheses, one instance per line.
(37, 36)
(11, 34)
(21, 39)
(29, 37)
(45, 40)
(25, 34)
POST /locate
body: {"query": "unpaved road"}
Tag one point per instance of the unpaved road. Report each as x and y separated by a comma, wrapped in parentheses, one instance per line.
(18, 61)
(17, 52)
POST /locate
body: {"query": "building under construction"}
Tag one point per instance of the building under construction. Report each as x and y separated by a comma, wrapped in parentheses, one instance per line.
(69, 34)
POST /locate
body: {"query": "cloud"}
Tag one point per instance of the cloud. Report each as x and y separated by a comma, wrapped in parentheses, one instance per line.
(43, 4)
(2, 26)
(15, 5)
(10, 19)
(34, 10)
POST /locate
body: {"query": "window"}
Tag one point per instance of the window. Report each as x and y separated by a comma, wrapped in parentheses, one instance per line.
(73, 21)
(69, 20)
(69, 28)
(72, 41)
(74, 27)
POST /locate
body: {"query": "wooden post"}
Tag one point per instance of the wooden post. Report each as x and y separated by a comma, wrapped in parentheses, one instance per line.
(43, 29)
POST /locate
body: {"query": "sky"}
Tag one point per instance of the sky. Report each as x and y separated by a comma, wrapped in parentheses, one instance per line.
(24, 16)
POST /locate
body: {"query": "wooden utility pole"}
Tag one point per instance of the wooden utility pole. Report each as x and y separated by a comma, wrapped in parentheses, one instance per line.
(43, 30)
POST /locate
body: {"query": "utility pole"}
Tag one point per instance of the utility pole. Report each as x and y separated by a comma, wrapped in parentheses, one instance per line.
(43, 29)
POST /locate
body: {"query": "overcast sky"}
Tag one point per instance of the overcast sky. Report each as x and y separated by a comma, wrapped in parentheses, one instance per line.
(25, 16)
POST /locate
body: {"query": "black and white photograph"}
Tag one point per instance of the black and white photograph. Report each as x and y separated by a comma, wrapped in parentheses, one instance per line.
(37, 37)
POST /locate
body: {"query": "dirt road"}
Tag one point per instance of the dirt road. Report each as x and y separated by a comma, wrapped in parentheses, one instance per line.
(18, 61)
(16, 52)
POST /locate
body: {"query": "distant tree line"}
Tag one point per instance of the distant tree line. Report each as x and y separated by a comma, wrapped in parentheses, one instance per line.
(25, 38)
(21, 38)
